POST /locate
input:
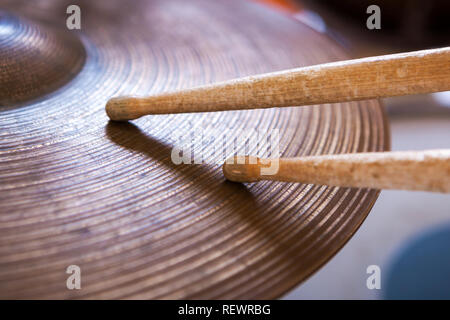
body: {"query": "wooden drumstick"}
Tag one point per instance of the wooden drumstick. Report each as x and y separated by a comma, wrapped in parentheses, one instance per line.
(407, 170)
(390, 75)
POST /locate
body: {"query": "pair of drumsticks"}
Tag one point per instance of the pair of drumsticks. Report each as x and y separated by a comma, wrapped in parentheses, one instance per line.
(374, 77)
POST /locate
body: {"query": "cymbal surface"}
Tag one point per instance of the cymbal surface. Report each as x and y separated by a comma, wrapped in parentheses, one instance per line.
(76, 189)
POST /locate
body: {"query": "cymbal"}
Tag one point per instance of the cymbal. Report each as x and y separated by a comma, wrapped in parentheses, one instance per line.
(79, 190)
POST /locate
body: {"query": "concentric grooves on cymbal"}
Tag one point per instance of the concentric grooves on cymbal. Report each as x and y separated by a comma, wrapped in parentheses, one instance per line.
(35, 60)
(77, 189)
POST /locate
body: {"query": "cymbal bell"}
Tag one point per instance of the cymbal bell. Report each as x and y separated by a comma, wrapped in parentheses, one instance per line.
(35, 59)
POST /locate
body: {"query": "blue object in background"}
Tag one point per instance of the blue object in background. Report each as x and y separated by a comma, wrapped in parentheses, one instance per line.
(422, 269)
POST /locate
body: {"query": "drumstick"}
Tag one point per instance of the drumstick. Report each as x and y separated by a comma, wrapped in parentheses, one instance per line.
(408, 170)
(383, 76)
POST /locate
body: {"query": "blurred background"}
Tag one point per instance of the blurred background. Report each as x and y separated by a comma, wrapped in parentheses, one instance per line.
(407, 234)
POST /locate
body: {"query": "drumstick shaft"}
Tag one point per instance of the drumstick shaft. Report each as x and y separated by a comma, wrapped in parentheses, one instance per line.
(390, 75)
(408, 170)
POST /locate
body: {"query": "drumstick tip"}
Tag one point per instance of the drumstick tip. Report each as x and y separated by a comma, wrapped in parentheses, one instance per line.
(123, 108)
(242, 169)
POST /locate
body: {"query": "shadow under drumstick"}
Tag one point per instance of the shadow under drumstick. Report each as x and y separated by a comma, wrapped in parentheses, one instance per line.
(206, 178)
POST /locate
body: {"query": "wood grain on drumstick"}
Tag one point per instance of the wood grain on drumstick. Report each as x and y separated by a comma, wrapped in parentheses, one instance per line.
(383, 76)
(408, 170)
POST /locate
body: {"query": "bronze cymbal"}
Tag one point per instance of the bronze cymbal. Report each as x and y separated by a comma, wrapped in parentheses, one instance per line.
(76, 189)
